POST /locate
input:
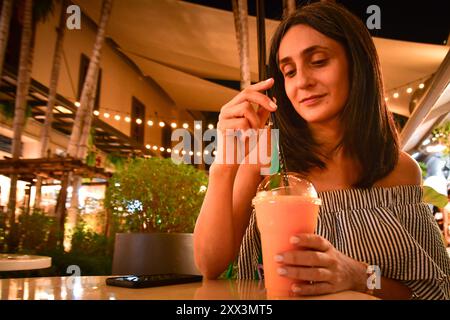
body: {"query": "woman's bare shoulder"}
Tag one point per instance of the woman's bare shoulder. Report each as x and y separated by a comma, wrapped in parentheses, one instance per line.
(406, 172)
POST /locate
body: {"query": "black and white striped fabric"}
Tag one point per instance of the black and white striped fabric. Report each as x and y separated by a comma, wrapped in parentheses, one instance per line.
(388, 227)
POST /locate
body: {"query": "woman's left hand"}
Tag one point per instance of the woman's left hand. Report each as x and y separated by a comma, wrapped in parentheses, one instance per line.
(320, 267)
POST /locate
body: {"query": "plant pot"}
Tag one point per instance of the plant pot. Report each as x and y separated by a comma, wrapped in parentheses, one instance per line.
(153, 253)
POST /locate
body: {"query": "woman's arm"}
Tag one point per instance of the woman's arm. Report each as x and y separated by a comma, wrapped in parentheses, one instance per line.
(224, 216)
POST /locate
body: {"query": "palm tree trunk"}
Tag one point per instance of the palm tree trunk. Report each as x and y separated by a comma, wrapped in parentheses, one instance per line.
(4, 30)
(23, 84)
(288, 7)
(240, 14)
(60, 210)
(82, 146)
(45, 132)
(80, 124)
(88, 86)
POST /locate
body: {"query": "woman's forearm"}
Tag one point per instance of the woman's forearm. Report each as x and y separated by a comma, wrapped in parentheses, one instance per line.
(214, 231)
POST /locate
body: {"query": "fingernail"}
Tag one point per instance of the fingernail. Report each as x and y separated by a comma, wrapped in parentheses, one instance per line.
(278, 258)
(294, 240)
(270, 79)
(282, 271)
(296, 289)
(273, 105)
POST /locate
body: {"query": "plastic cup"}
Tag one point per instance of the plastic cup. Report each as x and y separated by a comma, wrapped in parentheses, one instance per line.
(281, 212)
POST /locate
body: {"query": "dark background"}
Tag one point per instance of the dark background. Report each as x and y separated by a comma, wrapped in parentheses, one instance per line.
(418, 21)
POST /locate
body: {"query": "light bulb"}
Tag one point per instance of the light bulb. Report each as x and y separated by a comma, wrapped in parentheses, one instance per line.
(150, 123)
(117, 117)
(127, 119)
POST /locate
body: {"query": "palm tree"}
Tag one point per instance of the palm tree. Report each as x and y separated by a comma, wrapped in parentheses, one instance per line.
(23, 83)
(4, 30)
(31, 15)
(240, 14)
(82, 153)
(288, 7)
(84, 113)
(45, 131)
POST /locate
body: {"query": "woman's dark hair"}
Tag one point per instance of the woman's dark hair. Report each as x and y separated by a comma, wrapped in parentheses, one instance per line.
(370, 134)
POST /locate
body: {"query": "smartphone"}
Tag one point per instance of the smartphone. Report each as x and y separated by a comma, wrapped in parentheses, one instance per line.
(153, 280)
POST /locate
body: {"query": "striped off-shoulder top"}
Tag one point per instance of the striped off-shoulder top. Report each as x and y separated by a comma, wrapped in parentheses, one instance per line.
(388, 227)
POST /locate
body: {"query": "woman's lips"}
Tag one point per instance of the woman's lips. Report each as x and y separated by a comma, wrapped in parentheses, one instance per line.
(312, 100)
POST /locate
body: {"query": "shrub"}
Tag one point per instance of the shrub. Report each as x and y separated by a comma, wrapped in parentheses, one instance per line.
(155, 195)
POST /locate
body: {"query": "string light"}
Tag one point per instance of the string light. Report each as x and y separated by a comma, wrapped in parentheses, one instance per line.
(138, 121)
(106, 115)
(173, 125)
(210, 126)
(162, 124)
(185, 125)
(127, 119)
(117, 117)
(408, 87)
(96, 113)
(77, 104)
(150, 123)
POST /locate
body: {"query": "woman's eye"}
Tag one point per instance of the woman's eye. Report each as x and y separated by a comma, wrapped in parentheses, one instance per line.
(289, 73)
(320, 62)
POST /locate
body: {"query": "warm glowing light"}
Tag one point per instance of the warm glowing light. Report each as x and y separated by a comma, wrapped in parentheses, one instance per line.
(169, 150)
(117, 117)
(396, 95)
(161, 124)
(147, 146)
(421, 86)
(198, 126)
(77, 104)
(409, 90)
(191, 153)
(106, 115)
(161, 149)
(210, 126)
(127, 119)
(138, 121)
(198, 153)
(185, 125)
(150, 123)
(155, 148)
(206, 152)
(173, 125)
(183, 152)
(96, 113)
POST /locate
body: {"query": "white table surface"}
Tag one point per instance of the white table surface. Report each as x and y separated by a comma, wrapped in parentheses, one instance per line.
(17, 262)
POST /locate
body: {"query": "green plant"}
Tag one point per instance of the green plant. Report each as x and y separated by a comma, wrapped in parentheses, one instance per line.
(441, 135)
(155, 195)
(34, 231)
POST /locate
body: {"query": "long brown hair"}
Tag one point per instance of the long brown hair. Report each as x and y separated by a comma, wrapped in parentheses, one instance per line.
(370, 134)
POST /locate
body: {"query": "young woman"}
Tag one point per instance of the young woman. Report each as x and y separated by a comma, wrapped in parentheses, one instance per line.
(336, 130)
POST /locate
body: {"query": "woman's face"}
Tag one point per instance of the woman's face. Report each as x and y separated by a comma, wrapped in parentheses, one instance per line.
(315, 71)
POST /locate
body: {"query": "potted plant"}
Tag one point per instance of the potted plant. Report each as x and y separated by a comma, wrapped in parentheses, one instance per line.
(153, 205)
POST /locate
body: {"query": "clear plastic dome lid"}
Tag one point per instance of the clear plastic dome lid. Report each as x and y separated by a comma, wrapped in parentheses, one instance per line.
(292, 184)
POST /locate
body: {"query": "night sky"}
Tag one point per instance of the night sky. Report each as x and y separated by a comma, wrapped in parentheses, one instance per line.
(418, 21)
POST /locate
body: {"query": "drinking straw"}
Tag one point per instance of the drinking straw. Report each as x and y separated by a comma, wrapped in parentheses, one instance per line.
(262, 72)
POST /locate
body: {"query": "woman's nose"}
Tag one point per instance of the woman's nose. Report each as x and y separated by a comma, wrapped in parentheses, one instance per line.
(304, 79)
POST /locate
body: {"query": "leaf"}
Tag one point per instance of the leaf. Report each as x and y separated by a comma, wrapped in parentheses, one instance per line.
(433, 197)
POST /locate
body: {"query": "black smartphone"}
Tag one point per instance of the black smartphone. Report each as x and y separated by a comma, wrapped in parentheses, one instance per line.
(153, 280)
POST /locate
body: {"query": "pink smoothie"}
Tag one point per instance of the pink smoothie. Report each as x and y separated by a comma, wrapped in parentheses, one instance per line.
(279, 217)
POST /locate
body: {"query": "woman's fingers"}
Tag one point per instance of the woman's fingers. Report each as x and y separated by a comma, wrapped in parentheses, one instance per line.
(304, 258)
(311, 241)
(313, 288)
(242, 110)
(305, 273)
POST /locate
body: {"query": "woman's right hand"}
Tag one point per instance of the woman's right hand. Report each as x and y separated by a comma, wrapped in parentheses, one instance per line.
(239, 115)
